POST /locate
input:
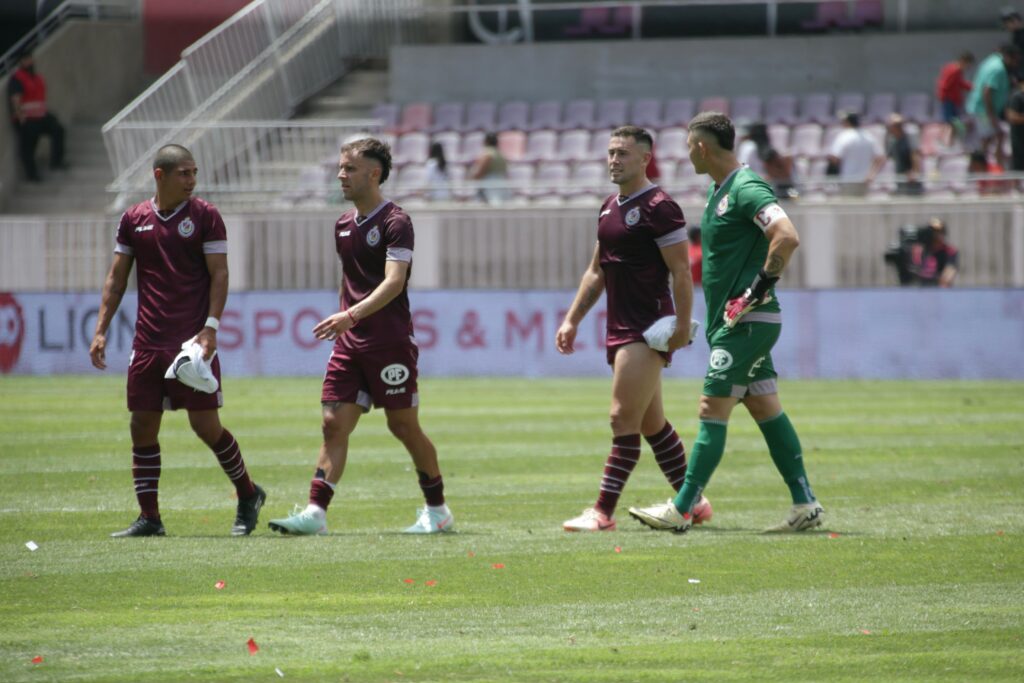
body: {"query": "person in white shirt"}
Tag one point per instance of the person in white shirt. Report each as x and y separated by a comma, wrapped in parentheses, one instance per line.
(857, 156)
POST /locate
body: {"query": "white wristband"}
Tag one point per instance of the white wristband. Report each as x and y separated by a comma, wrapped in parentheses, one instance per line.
(212, 322)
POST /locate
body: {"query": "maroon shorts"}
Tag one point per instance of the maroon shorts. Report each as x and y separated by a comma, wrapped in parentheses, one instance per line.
(149, 390)
(382, 378)
(612, 348)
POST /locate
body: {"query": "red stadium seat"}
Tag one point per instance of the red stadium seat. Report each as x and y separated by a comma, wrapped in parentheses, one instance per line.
(512, 144)
(415, 117)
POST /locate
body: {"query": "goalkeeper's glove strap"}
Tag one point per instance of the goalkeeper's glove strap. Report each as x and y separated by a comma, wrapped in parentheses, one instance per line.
(760, 286)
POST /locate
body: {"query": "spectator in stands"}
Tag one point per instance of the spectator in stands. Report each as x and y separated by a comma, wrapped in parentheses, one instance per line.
(696, 267)
(980, 166)
(1013, 23)
(653, 172)
(905, 157)
(756, 151)
(933, 260)
(988, 98)
(490, 170)
(26, 94)
(438, 180)
(1015, 117)
(854, 156)
(951, 88)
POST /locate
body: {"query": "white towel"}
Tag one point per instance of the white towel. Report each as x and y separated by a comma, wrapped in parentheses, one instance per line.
(192, 370)
(658, 334)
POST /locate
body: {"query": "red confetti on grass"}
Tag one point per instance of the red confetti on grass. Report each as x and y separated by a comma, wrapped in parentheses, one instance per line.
(999, 533)
(38, 659)
(498, 565)
(409, 580)
(470, 554)
(833, 535)
(253, 647)
(431, 583)
(219, 585)
(618, 549)
(865, 632)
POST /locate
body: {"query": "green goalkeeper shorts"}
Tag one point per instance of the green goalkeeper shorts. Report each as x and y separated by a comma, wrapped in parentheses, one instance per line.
(741, 361)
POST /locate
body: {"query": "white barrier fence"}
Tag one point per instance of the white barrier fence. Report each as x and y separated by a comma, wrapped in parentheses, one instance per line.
(863, 334)
(842, 245)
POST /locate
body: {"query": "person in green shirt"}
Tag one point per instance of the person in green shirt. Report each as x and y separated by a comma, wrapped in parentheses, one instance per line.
(988, 97)
(747, 240)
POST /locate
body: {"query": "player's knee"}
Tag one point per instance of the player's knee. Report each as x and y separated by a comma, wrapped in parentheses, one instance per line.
(623, 421)
(402, 429)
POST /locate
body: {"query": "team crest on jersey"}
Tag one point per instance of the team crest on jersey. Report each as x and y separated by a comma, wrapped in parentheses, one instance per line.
(720, 359)
(633, 216)
(186, 227)
(723, 205)
(373, 237)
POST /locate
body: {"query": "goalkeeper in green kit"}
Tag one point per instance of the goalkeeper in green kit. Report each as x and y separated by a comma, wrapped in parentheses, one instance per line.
(747, 240)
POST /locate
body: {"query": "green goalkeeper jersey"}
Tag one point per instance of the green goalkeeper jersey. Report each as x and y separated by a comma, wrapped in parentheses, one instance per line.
(734, 247)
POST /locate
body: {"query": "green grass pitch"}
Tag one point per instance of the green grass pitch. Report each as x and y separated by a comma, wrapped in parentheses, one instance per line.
(919, 575)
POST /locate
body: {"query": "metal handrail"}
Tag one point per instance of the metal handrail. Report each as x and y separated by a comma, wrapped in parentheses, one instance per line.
(93, 9)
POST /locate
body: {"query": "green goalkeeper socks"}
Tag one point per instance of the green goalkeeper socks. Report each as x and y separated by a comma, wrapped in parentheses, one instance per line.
(707, 452)
(784, 445)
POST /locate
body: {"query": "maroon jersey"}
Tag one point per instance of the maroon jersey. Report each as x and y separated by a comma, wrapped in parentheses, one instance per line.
(365, 246)
(631, 232)
(170, 253)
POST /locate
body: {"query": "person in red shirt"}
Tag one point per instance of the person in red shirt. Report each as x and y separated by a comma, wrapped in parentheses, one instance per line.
(696, 266)
(951, 88)
(26, 93)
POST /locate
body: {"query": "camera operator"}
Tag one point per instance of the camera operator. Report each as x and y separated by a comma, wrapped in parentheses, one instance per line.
(923, 257)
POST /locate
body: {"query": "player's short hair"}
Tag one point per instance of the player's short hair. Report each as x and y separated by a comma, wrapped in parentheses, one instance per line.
(636, 132)
(371, 148)
(169, 157)
(717, 125)
(967, 57)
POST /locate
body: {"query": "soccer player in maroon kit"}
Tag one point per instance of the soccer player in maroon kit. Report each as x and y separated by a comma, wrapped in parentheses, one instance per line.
(641, 241)
(180, 244)
(375, 354)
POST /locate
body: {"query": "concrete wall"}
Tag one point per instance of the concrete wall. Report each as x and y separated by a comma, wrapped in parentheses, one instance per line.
(92, 69)
(677, 68)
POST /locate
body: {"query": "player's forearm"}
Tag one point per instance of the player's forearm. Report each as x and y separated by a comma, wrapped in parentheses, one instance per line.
(218, 293)
(113, 292)
(591, 287)
(783, 240)
(682, 296)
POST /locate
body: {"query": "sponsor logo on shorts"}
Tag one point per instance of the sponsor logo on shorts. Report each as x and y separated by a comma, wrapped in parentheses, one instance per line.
(186, 227)
(12, 331)
(393, 392)
(394, 374)
(633, 216)
(723, 205)
(373, 237)
(720, 359)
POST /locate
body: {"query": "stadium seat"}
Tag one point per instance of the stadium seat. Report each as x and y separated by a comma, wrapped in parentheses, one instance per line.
(781, 109)
(512, 144)
(719, 104)
(817, 108)
(470, 148)
(546, 115)
(877, 132)
(778, 135)
(806, 140)
(387, 113)
(953, 173)
(880, 105)
(828, 15)
(481, 116)
(513, 116)
(929, 142)
(589, 178)
(671, 144)
(451, 142)
(646, 113)
(550, 182)
(599, 145)
(448, 116)
(410, 148)
(574, 145)
(917, 107)
(413, 182)
(520, 178)
(578, 114)
(541, 145)
(831, 132)
(415, 117)
(747, 108)
(850, 102)
(612, 114)
(678, 112)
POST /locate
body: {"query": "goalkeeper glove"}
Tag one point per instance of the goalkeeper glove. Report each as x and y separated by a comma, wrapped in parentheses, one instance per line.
(756, 294)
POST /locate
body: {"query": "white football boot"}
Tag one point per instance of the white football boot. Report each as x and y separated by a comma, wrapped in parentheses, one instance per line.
(432, 520)
(801, 517)
(592, 519)
(664, 517)
(311, 521)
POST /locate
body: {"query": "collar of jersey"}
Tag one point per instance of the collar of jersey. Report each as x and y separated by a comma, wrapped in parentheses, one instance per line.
(636, 194)
(371, 214)
(727, 179)
(156, 209)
